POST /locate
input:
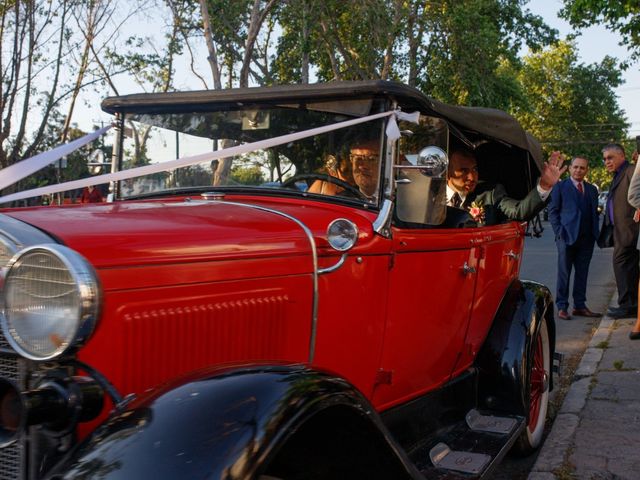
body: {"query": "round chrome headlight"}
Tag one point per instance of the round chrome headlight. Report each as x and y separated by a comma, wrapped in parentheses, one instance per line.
(342, 234)
(51, 301)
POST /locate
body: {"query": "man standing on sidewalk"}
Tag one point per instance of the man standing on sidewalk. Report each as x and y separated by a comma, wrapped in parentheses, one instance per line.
(618, 217)
(574, 218)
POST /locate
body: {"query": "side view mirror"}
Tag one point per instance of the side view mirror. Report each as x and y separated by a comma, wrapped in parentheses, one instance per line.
(421, 187)
(435, 161)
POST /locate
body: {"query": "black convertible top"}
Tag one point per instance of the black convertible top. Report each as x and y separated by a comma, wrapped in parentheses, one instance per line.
(491, 123)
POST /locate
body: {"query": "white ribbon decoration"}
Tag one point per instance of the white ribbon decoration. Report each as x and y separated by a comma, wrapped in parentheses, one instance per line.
(392, 128)
(24, 168)
(393, 132)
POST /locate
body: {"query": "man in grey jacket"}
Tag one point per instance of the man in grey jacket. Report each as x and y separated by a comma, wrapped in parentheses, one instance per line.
(618, 215)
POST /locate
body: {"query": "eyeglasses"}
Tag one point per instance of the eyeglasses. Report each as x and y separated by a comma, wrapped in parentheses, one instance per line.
(363, 158)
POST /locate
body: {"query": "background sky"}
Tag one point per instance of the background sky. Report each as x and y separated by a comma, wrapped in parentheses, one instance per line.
(593, 45)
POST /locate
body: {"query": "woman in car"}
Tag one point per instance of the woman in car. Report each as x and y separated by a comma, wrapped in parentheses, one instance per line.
(340, 169)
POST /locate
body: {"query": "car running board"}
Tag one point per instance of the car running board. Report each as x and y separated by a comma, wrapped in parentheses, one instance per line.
(466, 462)
(489, 423)
(469, 449)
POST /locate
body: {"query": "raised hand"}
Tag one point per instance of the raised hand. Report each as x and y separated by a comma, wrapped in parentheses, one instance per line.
(552, 170)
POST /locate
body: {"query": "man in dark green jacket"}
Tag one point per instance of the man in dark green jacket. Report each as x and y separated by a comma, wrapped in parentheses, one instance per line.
(489, 204)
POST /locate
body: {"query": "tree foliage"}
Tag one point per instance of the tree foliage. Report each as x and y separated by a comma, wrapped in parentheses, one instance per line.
(468, 45)
(452, 50)
(570, 106)
(620, 15)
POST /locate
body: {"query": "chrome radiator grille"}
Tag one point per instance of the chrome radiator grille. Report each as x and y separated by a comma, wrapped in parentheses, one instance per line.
(11, 457)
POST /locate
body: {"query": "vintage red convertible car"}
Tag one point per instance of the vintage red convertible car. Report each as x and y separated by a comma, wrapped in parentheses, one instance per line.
(259, 315)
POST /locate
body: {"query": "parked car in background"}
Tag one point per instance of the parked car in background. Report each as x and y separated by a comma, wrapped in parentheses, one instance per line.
(224, 323)
(602, 201)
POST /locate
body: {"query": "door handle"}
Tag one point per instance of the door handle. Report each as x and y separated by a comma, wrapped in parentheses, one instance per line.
(512, 255)
(467, 269)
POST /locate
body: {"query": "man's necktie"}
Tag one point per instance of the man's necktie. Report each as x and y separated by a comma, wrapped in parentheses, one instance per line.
(456, 201)
(580, 189)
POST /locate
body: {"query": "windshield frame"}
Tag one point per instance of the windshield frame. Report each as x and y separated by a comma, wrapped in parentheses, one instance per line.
(354, 107)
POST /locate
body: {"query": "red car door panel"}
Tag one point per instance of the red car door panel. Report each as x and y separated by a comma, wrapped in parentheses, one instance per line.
(431, 289)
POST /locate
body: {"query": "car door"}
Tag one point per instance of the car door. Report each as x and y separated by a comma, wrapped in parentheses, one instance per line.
(430, 297)
(499, 251)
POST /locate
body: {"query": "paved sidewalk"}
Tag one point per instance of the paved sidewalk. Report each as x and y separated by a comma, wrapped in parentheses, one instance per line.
(596, 434)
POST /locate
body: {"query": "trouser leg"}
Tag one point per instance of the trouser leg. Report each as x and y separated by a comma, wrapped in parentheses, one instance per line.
(582, 259)
(625, 269)
(564, 275)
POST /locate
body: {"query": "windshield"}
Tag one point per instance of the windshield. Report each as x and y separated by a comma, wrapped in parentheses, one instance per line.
(343, 164)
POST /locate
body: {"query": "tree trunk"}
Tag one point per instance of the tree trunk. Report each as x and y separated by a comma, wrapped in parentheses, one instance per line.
(211, 46)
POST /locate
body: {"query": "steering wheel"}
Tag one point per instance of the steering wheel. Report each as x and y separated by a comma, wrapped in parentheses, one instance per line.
(323, 177)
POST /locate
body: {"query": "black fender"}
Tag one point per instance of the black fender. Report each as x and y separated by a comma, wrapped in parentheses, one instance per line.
(504, 360)
(238, 424)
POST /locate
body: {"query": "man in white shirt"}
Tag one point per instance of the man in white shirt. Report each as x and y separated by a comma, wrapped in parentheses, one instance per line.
(489, 204)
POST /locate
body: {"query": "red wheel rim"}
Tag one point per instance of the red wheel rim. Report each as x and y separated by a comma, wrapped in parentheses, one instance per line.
(538, 382)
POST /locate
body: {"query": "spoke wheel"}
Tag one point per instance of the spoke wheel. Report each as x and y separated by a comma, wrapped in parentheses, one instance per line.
(539, 376)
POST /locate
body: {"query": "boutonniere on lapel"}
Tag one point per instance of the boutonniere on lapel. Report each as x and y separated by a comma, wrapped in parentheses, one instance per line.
(476, 210)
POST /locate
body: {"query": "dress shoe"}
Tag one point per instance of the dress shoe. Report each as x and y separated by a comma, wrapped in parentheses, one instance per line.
(585, 312)
(634, 335)
(622, 312)
(564, 315)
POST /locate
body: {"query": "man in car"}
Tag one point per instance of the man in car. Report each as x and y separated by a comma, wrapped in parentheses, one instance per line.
(363, 172)
(489, 204)
(365, 167)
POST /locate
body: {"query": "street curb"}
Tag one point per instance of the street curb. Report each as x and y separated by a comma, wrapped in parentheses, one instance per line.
(559, 442)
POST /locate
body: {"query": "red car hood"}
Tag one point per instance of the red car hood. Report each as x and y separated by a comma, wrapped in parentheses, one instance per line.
(139, 233)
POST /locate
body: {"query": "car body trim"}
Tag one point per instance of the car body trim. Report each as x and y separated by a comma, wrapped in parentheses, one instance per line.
(333, 268)
(21, 233)
(314, 255)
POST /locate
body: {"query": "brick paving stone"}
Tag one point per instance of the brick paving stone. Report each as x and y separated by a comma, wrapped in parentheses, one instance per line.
(597, 434)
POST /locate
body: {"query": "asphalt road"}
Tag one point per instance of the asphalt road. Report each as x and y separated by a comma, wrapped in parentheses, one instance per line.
(539, 264)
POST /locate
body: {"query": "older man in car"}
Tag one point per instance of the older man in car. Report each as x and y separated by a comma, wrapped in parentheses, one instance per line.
(363, 170)
(365, 167)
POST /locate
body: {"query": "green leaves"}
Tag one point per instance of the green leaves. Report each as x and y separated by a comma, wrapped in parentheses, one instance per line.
(619, 15)
(569, 106)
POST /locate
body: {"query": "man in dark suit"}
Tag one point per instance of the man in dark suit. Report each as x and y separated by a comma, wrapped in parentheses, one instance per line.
(489, 204)
(618, 215)
(574, 219)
